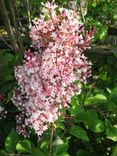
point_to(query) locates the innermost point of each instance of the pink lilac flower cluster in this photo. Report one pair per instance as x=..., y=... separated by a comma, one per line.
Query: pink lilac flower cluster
x=46, y=79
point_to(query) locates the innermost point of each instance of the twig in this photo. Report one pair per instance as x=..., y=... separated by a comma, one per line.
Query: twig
x=81, y=10
x=8, y=25
x=51, y=140
x=5, y=42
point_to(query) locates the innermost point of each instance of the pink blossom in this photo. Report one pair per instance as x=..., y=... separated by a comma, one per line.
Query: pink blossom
x=46, y=79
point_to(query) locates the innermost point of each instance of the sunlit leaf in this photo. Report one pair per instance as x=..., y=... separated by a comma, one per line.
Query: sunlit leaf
x=24, y=146
x=112, y=133
x=11, y=141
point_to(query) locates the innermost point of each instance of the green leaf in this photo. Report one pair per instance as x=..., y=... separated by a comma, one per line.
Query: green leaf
x=107, y=123
x=75, y=108
x=6, y=88
x=103, y=33
x=8, y=57
x=39, y=1
x=79, y=133
x=91, y=121
x=58, y=141
x=100, y=97
x=24, y=146
x=96, y=99
x=113, y=96
x=112, y=107
x=9, y=96
x=81, y=153
x=37, y=152
x=11, y=141
x=112, y=133
x=96, y=126
x=44, y=145
x=9, y=77
x=3, y=153
x=74, y=100
x=61, y=149
x=114, y=153
x=65, y=154
x=86, y=116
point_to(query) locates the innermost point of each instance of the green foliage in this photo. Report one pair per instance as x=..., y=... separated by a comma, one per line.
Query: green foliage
x=91, y=121
x=7, y=61
x=60, y=147
x=79, y=132
x=24, y=146
x=39, y=1
x=2, y=153
x=36, y=152
x=114, y=151
x=11, y=141
x=101, y=29
x=98, y=98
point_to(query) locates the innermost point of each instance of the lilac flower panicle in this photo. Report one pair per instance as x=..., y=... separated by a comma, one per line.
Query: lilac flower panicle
x=46, y=79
